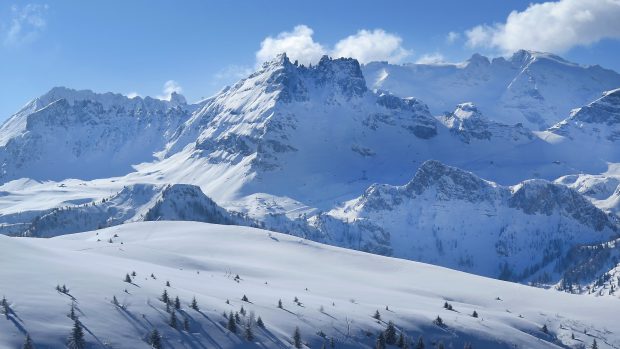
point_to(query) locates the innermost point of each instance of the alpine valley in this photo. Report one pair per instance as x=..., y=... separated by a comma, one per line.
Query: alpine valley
x=505, y=168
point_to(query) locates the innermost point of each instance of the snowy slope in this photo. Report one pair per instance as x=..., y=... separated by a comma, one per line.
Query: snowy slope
x=338, y=290
x=450, y=217
x=533, y=88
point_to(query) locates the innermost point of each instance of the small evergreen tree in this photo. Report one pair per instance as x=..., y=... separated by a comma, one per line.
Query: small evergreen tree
x=167, y=283
x=164, y=297
x=439, y=321
x=260, y=323
x=594, y=344
x=377, y=315
x=155, y=339
x=76, y=338
x=380, y=341
x=173, y=319
x=28, y=343
x=297, y=338
x=401, y=341
x=237, y=318
x=545, y=329
x=194, y=304
x=71, y=314
x=245, y=298
x=420, y=344
x=249, y=335
x=177, y=303
x=5, y=308
x=572, y=336
x=474, y=314
x=127, y=278
x=280, y=303
x=390, y=334
x=232, y=325
x=133, y=273
x=186, y=323
x=115, y=301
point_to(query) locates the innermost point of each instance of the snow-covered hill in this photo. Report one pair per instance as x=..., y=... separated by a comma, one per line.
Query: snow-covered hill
x=533, y=88
x=338, y=292
x=137, y=202
x=451, y=217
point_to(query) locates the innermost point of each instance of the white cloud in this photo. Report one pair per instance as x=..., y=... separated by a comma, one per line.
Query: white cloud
x=452, y=37
x=365, y=46
x=551, y=26
x=169, y=87
x=432, y=58
x=376, y=45
x=298, y=45
x=132, y=95
x=26, y=24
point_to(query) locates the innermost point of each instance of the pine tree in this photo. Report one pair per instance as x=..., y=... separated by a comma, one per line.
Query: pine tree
x=76, y=338
x=164, y=297
x=177, y=303
x=232, y=325
x=186, y=323
x=594, y=344
x=127, y=278
x=438, y=321
x=377, y=315
x=133, y=273
x=155, y=339
x=242, y=311
x=260, y=323
x=245, y=298
x=572, y=336
x=280, y=303
x=474, y=314
x=297, y=338
x=390, y=333
x=249, y=335
x=5, y=308
x=167, y=283
x=545, y=329
x=173, y=319
x=71, y=314
x=380, y=341
x=401, y=341
x=28, y=343
x=420, y=344
x=237, y=318
x=115, y=301
x=194, y=304
x=332, y=342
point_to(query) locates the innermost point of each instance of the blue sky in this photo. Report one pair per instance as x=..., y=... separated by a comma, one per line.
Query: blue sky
x=138, y=46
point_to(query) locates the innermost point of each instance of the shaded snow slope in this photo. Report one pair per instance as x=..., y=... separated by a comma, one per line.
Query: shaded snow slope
x=338, y=292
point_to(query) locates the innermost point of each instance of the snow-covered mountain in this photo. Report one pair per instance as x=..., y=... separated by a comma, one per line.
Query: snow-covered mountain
x=134, y=203
x=470, y=125
x=337, y=293
x=81, y=134
x=533, y=88
x=293, y=147
x=450, y=217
